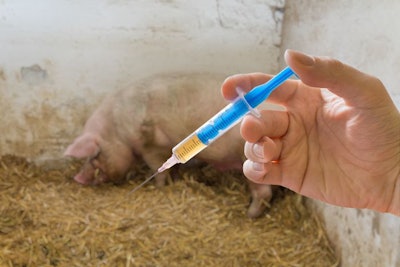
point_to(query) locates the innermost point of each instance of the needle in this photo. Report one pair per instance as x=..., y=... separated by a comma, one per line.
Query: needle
x=142, y=184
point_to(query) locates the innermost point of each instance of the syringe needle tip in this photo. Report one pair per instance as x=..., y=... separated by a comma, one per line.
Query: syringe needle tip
x=143, y=183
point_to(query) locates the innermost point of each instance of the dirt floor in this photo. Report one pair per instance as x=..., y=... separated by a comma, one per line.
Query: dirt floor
x=47, y=219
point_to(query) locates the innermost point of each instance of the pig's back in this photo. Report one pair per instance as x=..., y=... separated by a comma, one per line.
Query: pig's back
x=177, y=104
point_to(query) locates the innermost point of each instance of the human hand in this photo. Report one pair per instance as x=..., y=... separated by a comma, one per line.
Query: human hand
x=338, y=140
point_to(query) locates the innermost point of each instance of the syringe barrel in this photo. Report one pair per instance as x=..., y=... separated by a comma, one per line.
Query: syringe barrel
x=211, y=130
x=223, y=121
x=226, y=119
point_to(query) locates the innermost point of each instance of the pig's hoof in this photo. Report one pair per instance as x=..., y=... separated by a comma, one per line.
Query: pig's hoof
x=130, y=175
x=257, y=207
x=160, y=181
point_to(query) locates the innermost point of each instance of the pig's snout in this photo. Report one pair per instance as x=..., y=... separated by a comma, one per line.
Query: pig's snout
x=80, y=178
x=90, y=176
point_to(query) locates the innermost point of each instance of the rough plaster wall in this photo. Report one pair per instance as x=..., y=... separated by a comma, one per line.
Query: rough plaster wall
x=59, y=57
x=364, y=34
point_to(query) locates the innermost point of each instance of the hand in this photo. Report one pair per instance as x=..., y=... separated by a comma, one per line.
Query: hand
x=340, y=145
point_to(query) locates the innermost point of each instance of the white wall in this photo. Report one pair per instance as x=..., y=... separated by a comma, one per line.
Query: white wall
x=365, y=34
x=59, y=57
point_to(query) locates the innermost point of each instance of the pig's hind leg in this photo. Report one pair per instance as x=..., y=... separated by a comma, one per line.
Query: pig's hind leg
x=260, y=197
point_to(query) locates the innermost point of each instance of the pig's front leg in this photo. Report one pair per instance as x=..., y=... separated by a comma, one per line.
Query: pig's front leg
x=154, y=158
x=156, y=149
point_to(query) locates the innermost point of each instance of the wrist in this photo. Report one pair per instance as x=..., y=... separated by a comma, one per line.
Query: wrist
x=394, y=206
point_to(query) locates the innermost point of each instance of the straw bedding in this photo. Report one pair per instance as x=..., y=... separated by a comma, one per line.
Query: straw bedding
x=46, y=219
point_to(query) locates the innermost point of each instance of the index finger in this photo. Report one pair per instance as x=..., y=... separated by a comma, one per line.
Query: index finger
x=246, y=82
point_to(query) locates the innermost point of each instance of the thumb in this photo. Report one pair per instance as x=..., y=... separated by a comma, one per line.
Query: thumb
x=355, y=87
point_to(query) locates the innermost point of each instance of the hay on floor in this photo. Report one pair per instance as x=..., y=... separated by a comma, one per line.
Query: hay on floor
x=46, y=219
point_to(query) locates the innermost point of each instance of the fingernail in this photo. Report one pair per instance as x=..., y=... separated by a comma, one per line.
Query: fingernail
x=302, y=58
x=258, y=166
x=258, y=150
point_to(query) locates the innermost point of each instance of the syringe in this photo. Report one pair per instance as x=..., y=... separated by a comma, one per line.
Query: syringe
x=223, y=121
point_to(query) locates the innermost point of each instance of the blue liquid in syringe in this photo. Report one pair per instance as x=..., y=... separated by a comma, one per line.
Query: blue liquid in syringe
x=233, y=113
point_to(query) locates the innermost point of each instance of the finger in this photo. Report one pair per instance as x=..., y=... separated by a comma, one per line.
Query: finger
x=356, y=87
x=264, y=151
x=262, y=173
x=243, y=81
x=272, y=123
x=246, y=82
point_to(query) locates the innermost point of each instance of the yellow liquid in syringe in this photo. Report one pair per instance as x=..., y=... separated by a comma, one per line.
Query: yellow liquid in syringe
x=188, y=148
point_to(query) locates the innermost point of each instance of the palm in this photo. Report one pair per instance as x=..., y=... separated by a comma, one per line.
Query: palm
x=328, y=144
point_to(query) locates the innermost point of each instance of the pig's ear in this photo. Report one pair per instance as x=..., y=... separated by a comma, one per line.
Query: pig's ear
x=84, y=146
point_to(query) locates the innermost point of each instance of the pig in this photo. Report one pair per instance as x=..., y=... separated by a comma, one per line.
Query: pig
x=147, y=120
